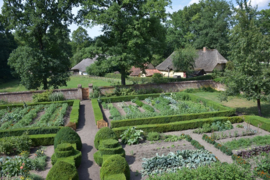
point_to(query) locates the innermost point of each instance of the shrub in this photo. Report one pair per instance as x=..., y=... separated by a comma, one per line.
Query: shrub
x=63, y=171
x=158, y=78
x=67, y=135
x=42, y=97
x=131, y=136
x=56, y=96
x=95, y=93
x=115, y=164
x=153, y=136
x=102, y=134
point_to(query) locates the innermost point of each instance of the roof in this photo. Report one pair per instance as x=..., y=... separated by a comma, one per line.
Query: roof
x=151, y=72
x=136, y=71
x=206, y=60
x=81, y=66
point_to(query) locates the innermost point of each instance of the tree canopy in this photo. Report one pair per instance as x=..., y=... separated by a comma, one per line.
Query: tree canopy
x=42, y=60
x=249, y=48
x=132, y=30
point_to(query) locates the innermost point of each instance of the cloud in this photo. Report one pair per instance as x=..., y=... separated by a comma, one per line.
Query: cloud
x=260, y=3
x=192, y=2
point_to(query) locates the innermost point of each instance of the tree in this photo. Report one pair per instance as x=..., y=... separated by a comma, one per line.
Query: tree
x=249, y=47
x=263, y=20
x=184, y=59
x=7, y=44
x=132, y=31
x=205, y=24
x=42, y=27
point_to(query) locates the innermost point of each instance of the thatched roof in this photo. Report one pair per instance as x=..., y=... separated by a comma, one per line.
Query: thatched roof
x=206, y=60
x=81, y=66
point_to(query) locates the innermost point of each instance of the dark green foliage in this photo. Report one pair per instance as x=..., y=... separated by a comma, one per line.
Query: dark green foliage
x=257, y=120
x=42, y=139
x=31, y=131
x=214, y=171
x=178, y=126
x=103, y=134
x=67, y=135
x=158, y=79
x=222, y=148
x=148, y=108
x=109, y=143
x=74, y=114
x=114, y=165
x=63, y=171
x=153, y=136
x=66, y=152
x=138, y=103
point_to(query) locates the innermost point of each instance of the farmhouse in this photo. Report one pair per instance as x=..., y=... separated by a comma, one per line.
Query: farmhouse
x=80, y=68
x=208, y=60
x=150, y=70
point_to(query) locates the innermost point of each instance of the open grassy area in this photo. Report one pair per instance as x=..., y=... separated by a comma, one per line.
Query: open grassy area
x=14, y=85
x=242, y=105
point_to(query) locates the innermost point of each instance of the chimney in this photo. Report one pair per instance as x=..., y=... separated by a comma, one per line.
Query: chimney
x=204, y=49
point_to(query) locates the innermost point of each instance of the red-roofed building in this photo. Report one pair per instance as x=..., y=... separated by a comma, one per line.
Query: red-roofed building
x=149, y=71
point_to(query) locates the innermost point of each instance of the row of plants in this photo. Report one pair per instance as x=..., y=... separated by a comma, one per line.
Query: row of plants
x=222, y=148
x=175, y=161
x=253, y=151
x=48, y=95
x=215, y=126
x=110, y=156
x=247, y=142
x=67, y=155
x=224, y=135
x=177, y=126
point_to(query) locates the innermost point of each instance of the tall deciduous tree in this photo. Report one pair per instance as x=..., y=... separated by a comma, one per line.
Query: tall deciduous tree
x=264, y=20
x=249, y=47
x=184, y=59
x=205, y=24
x=7, y=44
x=42, y=26
x=132, y=30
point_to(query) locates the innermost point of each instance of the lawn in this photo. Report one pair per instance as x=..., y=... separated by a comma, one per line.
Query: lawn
x=242, y=105
x=14, y=85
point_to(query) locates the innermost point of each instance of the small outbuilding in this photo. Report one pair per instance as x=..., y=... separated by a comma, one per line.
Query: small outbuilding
x=150, y=70
x=80, y=68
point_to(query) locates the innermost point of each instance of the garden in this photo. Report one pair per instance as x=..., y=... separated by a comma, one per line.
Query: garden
x=33, y=139
x=167, y=136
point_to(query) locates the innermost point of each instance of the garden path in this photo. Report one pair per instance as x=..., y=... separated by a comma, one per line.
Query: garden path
x=87, y=130
x=220, y=155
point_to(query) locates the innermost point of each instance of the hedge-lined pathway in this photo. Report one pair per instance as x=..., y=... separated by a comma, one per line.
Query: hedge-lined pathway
x=87, y=130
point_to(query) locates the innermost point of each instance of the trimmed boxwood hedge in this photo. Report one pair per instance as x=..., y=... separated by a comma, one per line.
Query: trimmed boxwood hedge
x=70, y=103
x=74, y=114
x=256, y=120
x=31, y=131
x=103, y=134
x=223, y=111
x=113, y=165
x=63, y=171
x=97, y=111
x=67, y=135
x=178, y=126
x=42, y=139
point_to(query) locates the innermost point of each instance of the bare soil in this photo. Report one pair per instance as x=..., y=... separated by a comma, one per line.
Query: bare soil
x=67, y=115
x=120, y=109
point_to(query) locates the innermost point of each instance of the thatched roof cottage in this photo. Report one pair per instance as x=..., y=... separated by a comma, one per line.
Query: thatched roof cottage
x=80, y=68
x=208, y=60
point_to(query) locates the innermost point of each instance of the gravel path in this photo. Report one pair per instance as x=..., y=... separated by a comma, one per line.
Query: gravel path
x=87, y=130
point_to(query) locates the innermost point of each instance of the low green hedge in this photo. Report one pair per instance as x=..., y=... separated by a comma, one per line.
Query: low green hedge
x=74, y=114
x=70, y=103
x=97, y=111
x=257, y=120
x=178, y=126
x=31, y=131
x=63, y=171
x=42, y=139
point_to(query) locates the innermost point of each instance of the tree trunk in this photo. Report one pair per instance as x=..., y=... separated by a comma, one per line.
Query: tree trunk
x=259, y=107
x=123, y=75
x=45, y=83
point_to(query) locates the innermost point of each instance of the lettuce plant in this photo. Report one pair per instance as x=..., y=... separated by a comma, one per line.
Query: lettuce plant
x=131, y=136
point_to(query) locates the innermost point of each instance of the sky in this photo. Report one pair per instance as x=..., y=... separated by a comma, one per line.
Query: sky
x=175, y=6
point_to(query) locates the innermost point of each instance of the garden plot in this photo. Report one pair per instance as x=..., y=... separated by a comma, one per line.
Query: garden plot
x=164, y=105
x=35, y=116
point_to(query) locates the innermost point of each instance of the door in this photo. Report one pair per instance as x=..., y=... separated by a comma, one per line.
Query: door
x=85, y=93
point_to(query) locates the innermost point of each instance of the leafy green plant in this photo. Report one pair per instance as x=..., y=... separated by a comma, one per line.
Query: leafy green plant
x=56, y=96
x=239, y=126
x=174, y=138
x=153, y=136
x=42, y=97
x=131, y=136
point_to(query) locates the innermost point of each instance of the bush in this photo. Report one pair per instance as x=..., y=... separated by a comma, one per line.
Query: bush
x=153, y=136
x=42, y=139
x=42, y=97
x=158, y=78
x=67, y=135
x=131, y=136
x=56, y=96
x=63, y=171
x=115, y=164
x=103, y=134
x=95, y=93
